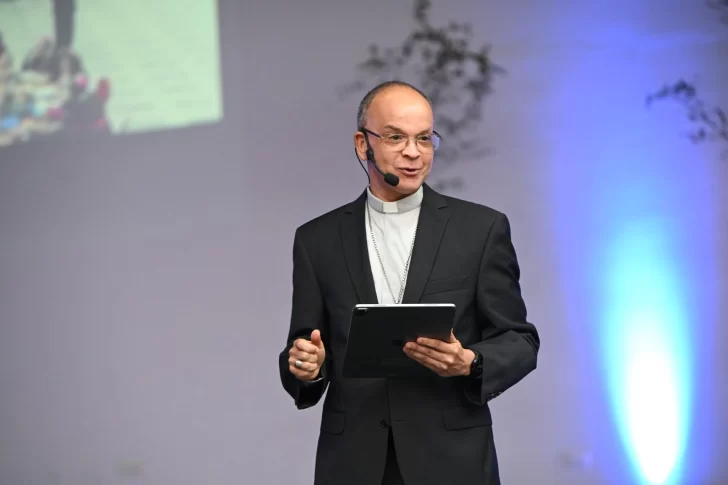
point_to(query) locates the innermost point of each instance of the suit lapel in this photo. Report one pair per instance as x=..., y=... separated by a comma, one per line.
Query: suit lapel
x=430, y=228
x=356, y=252
x=433, y=219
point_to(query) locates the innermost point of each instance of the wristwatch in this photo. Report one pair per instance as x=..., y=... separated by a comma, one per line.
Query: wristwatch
x=476, y=366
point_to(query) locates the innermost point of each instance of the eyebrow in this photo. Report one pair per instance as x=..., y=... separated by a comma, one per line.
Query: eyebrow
x=397, y=128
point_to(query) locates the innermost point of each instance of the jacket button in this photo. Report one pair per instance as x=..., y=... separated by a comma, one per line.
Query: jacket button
x=383, y=423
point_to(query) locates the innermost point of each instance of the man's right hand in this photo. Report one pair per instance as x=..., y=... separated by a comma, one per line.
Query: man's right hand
x=310, y=353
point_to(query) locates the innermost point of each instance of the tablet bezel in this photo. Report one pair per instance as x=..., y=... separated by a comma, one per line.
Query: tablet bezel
x=377, y=334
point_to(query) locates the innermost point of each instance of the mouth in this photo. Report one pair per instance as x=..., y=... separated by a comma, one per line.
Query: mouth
x=410, y=172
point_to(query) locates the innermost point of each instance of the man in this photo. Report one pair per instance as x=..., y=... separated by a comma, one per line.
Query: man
x=406, y=243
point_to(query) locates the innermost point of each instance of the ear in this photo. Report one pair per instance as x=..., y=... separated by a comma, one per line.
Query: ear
x=360, y=145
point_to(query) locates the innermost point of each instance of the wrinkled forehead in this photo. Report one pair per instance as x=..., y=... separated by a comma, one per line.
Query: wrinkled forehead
x=401, y=107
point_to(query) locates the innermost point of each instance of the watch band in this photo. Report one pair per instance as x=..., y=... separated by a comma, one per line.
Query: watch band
x=476, y=366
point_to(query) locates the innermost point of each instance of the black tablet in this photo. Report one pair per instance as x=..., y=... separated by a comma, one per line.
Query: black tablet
x=377, y=335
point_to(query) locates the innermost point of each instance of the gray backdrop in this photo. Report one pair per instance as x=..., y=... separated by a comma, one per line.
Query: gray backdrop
x=145, y=282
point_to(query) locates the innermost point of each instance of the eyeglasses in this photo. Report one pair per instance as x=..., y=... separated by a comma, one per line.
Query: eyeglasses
x=426, y=142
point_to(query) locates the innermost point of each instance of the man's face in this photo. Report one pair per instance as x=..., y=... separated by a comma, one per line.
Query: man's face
x=402, y=111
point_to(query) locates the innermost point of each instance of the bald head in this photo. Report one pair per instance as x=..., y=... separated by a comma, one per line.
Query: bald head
x=363, y=111
x=392, y=118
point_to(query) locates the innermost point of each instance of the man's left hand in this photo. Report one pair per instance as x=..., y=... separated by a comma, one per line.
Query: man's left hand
x=446, y=359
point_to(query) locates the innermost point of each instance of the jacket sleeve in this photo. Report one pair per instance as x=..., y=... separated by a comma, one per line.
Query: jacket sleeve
x=509, y=343
x=307, y=314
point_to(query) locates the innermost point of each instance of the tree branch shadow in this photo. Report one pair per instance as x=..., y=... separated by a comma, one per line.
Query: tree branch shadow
x=711, y=122
x=455, y=75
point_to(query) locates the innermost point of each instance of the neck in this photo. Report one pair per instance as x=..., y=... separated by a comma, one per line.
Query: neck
x=384, y=194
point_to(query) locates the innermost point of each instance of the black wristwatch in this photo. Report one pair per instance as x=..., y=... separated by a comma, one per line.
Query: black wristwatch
x=476, y=367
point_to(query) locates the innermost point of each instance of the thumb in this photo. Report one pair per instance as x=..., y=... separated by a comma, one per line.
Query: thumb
x=452, y=337
x=316, y=338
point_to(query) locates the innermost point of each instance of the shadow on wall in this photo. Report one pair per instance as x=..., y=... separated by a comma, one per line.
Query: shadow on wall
x=711, y=121
x=442, y=62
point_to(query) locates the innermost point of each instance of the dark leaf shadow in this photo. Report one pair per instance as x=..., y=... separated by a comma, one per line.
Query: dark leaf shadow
x=710, y=121
x=455, y=75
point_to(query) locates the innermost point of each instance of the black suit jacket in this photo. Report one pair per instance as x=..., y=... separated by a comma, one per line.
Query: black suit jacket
x=441, y=426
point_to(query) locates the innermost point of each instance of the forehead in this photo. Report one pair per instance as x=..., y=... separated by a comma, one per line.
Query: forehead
x=402, y=107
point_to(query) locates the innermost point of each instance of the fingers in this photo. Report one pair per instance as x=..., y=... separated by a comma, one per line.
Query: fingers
x=442, y=363
x=435, y=344
x=316, y=339
x=303, y=375
x=452, y=337
x=306, y=351
x=305, y=346
x=310, y=356
x=303, y=356
x=306, y=366
x=446, y=358
x=437, y=366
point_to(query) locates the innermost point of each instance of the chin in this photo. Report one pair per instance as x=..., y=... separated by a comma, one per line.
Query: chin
x=408, y=186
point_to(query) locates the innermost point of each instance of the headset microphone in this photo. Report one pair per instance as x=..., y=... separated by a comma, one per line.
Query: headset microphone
x=390, y=178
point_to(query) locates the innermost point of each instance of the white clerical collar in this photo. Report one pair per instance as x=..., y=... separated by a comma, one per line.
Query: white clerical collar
x=398, y=207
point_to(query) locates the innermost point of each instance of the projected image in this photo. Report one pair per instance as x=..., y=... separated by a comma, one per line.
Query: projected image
x=94, y=68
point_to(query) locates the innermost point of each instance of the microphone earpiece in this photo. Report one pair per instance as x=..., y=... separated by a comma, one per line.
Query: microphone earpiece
x=389, y=178
x=370, y=154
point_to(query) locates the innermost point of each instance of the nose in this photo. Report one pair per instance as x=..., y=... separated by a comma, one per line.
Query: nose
x=410, y=149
